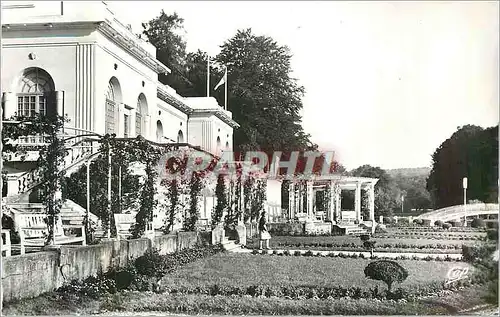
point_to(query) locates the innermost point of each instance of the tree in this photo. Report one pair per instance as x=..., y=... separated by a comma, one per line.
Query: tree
x=263, y=97
x=164, y=32
x=414, y=187
x=386, y=193
x=386, y=271
x=470, y=152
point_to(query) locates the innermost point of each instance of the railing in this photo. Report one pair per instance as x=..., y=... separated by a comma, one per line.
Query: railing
x=6, y=245
x=458, y=210
x=78, y=153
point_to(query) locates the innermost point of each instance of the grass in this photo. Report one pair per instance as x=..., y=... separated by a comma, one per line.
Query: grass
x=277, y=241
x=246, y=270
x=202, y=304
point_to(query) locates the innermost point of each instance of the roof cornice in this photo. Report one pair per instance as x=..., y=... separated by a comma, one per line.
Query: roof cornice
x=125, y=41
x=219, y=113
x=130, y=45
x=164, y=95
x=41, y=26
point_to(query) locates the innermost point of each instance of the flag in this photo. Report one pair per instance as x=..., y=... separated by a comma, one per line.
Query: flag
x=222, y=81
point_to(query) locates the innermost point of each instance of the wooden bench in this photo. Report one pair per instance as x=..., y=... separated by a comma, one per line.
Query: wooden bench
x=203, y=224
x=6, y=246
x=33, y=230
x=125, y=222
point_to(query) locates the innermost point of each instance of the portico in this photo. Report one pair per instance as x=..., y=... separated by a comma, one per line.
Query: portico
x=319, y=198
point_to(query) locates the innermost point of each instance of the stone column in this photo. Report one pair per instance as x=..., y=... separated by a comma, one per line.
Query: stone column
x=338, y=202
x=10, y=107
x=331, y=209
x=300, y=198
x=310, y=200
x=60, y=102
x=371, y=202
x=357, y=202
x=291, y=200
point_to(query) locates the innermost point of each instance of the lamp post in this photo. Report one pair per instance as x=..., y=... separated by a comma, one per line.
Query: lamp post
x=464, y=183
x=402, y=203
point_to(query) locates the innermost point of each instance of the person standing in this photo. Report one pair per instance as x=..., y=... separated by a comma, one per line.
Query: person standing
x=263, y=233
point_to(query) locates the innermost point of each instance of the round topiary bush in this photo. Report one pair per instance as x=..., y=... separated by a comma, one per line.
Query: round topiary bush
x=365, y=237
x=492, y=234
x=478, y=223
x=418, y=222
x=386, y=271
x=438, y=223
x=447, y=226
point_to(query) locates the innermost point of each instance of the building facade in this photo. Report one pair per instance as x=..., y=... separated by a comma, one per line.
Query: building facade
x=77, y=59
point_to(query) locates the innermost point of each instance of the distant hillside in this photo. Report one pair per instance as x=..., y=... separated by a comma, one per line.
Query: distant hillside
x=410, y=172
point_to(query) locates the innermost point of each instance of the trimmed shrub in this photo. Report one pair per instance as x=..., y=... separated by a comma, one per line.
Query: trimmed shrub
x=492, y=224
x=387, y=271
x=447, y=226
x=438, y=223
x=492, y=234
x=478, y=223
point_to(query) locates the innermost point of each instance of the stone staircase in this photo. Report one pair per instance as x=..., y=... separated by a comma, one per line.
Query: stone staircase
x=231, y=245
x=78, y=153
x=351, y=229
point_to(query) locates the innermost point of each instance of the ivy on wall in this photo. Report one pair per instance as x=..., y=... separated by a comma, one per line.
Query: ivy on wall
x=50, y=163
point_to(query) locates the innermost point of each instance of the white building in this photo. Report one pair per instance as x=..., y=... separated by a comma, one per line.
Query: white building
x=76, y=58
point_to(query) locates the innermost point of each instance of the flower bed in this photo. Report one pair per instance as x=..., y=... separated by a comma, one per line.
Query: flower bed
x=356, y=246
x=142, y=275
x=353, y=254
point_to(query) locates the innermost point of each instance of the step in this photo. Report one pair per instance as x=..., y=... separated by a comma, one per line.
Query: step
x=230, y=245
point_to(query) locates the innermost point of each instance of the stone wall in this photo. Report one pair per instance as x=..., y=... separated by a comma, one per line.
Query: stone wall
x=32, y=274
x=285, y=229
x=318, y=228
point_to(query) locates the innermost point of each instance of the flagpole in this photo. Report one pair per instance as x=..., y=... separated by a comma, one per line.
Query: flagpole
x=225, y=92
x=208, y=75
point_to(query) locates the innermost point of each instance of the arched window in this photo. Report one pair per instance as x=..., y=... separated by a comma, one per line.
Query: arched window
x=113, y=98
x=218, y=147
x=159, y=132
x=140, y=113
x=35, y=93
x=180, y=137
x=227, y=145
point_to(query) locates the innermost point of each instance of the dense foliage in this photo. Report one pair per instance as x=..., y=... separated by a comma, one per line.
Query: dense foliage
x=387, y=271
x=50, y=163
x=470, y=152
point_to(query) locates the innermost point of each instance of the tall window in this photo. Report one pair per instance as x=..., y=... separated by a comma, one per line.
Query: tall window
x=140, y=113
x=138, y=118
x=113, y=99
x=180, y=137
x=159, y=132
x=110, y=109
x=36, y=93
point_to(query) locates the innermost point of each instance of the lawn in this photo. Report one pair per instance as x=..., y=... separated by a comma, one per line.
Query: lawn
x=160, y=304
x=281, y=241
x=232, y=269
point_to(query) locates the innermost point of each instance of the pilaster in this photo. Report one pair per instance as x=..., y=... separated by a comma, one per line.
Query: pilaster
x=310, y=200
x=9, y=101
x=357, y=201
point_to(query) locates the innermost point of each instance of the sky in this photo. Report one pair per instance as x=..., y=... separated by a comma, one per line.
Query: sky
x=386, y=82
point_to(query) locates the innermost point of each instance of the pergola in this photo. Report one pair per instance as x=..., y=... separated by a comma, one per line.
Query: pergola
x=332, y=186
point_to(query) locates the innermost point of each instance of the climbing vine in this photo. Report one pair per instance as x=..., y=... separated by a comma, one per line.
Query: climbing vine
x=221, y=205
x=194, y=192
x=50, y=163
